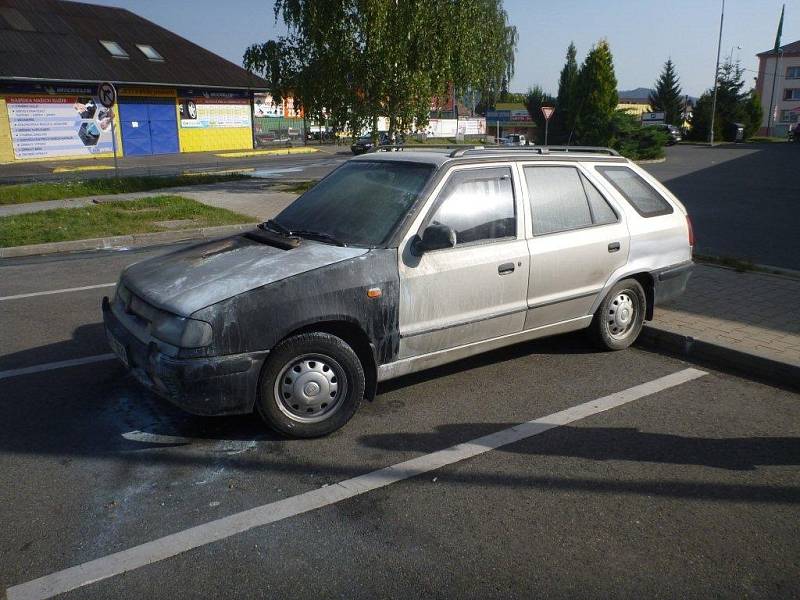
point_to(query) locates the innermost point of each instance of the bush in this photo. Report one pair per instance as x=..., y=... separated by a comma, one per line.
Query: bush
x=633, y=141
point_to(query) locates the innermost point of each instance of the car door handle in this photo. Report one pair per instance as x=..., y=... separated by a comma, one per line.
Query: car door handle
x=613, y=247
x=506, y=268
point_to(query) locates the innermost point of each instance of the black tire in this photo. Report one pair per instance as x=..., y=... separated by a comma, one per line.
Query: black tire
x=321, y=385
x=608, y=329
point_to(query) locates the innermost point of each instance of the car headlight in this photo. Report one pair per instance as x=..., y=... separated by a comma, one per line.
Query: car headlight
x=122, y=294
x=181, y=331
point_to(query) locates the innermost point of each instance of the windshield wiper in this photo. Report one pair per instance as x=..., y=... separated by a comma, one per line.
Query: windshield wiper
x=319, y=235
x=273, y=225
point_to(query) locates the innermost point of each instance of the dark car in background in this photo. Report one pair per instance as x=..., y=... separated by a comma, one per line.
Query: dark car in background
x=364, y=144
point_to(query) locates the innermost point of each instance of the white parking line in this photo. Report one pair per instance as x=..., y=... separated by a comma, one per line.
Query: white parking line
x=182, y=541
x=47, y=293
x=56, y=365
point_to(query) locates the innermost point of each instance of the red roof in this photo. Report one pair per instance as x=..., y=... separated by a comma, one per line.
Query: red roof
x=793, y=48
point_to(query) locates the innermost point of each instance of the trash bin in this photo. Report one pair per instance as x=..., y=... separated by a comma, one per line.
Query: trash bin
x=737, y=132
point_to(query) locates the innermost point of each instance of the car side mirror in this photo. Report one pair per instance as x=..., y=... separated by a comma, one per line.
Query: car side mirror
x=435, y=237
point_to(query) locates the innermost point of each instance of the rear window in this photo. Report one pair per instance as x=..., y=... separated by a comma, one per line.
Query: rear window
x=640, y=194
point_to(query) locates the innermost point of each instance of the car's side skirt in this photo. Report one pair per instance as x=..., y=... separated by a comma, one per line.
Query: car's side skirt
x=413, y=364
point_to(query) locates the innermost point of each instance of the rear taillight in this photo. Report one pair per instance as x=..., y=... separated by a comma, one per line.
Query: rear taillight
x=691, y=231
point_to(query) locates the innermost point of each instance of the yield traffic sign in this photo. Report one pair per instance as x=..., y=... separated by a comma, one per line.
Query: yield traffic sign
x=107, y=94
x=548, y=111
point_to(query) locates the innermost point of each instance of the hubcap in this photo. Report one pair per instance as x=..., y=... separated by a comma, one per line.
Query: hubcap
x=309, y=388
x=621, y=315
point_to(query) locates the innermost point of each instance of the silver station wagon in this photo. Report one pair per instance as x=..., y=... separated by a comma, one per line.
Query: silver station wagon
x=397, y=262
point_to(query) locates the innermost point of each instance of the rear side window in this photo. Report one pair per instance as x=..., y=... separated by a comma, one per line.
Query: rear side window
x=640, y=194
x=478, y=204
x=563, y=199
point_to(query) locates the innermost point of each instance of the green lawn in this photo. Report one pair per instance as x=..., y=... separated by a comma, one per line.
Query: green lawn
x=120, y=217
x=297, y=187
x=36, y=192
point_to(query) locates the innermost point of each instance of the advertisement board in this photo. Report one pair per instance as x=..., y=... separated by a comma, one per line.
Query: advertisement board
x=212, y=113
x=447, y=127
x=265, y=106
x=49, y=126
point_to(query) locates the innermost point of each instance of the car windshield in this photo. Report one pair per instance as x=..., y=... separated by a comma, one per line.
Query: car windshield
x=360, y=203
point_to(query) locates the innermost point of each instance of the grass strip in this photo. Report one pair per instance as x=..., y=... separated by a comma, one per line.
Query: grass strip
x=59, y=190
x=121, y=217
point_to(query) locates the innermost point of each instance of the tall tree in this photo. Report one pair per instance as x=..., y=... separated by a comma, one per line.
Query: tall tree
x=361, y=59
x=534, y=100
x=565, y=101
x=598, y=99
x=666, y=95
x=733, y=106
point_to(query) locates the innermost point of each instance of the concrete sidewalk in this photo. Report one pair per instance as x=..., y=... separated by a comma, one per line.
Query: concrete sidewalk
x=162, y=164
x=747, y=321
x=257, y=198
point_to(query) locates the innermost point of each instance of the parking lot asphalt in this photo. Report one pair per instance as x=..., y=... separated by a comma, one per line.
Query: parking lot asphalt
x=743, y=199
x=692, y=490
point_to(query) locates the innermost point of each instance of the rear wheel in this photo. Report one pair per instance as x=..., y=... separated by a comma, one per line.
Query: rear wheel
x=311, y=385
x=619, y=319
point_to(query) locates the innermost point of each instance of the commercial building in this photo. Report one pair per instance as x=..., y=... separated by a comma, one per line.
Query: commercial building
x=510, y=118
x=173, y=95
x=786, y=96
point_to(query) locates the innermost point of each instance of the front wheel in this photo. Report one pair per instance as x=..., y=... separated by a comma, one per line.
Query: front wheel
x=312, y=384
x=619, y=319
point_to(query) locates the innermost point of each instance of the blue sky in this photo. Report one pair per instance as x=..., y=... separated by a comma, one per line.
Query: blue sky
x=642, y=34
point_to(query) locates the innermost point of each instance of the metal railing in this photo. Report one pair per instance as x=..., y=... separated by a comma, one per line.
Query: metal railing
x=539, y=150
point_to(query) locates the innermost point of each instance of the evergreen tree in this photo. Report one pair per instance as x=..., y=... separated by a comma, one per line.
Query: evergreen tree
x=733, y=106
x=666, y=97
x=597, y=97
x=534, y=100
x=565, y=101
x=753, y=113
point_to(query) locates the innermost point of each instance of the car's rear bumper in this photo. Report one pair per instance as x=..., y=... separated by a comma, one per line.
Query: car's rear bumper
x=671, y=282
x=218, y=385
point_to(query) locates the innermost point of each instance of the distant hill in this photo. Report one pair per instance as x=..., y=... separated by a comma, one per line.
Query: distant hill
x=640, y=93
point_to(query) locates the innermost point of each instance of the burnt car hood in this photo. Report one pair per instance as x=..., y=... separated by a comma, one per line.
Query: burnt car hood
x=185, y=281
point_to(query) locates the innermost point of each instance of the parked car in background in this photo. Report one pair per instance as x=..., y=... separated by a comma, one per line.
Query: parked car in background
x=365, y=144
x=513, y=139
x=674, y=134
x=398, y=262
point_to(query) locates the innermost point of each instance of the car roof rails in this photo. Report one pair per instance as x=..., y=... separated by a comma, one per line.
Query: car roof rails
x=537, y=150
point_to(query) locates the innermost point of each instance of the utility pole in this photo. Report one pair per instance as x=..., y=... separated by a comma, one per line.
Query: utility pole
x=716, y=75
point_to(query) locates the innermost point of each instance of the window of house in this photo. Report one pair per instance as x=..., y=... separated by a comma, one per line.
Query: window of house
x=789, y=116
x=114, y=49
x=793, y=73
x=563, y=199
x=791, y=94
x=640, y=194
x=478, y=204
x=150, y=52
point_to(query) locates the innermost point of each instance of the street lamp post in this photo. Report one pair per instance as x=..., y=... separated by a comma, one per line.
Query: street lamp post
x=716, y=75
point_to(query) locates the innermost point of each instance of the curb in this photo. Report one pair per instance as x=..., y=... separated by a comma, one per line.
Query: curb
x=139, y=240
x=726, y=358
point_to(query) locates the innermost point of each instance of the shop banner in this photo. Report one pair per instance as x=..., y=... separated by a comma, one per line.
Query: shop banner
x=48, y=126
x=264, y=105
x=208, y=113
